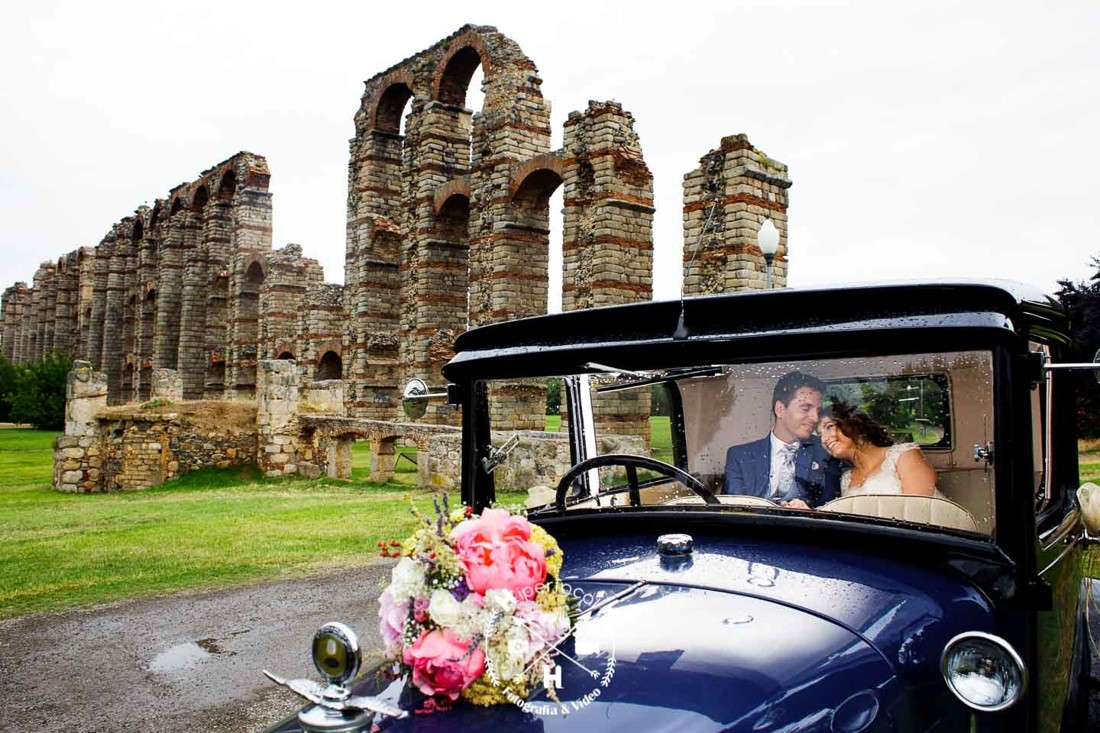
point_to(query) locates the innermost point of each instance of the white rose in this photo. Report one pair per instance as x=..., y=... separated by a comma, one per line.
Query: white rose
x=407, y=580
x=500, y=599
x=444, y=609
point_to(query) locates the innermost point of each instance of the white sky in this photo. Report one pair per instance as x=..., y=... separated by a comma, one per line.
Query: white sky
x=925, y=140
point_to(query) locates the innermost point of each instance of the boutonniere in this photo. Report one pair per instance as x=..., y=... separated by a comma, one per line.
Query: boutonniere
x=815, y=466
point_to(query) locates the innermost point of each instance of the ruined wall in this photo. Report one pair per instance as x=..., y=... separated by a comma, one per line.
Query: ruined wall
x=129, y=448
x=743, y=187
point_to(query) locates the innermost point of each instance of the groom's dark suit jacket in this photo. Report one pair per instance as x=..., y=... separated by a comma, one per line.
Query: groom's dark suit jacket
x=816, y=473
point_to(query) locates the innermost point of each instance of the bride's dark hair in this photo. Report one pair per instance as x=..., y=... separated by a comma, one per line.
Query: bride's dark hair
x=857, y=424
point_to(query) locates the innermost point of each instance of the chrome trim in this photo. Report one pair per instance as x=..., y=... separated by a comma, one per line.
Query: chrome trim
x=1069, y=524
x=997, y=641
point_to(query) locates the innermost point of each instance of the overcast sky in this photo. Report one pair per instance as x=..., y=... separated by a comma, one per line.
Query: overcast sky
x=925, y=140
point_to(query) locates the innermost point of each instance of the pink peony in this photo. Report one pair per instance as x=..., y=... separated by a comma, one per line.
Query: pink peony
x=442, y=664
x=496, y=551
x=392, y=617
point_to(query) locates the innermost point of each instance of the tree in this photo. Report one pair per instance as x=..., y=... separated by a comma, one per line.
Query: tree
x=1082, y=300
x=38, y=392
x=7, y=384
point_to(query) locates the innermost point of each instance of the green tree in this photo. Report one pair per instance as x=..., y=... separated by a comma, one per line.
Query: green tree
x=38, y=393
x=1082, y=301
x=553, y=396
x=7, y=384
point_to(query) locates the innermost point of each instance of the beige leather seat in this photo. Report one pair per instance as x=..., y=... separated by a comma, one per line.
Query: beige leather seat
x=727, y=499
x=922, y=509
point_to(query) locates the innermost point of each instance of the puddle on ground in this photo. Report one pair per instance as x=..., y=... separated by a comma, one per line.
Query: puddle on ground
x=184, y=656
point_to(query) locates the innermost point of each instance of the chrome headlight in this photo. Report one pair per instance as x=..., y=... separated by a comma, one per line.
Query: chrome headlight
x=336, y=653
x=983, y=671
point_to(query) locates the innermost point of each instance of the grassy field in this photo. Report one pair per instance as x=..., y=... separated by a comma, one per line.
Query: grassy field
x=209, y=529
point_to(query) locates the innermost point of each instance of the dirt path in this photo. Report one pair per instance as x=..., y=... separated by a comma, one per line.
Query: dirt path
x=182, y=663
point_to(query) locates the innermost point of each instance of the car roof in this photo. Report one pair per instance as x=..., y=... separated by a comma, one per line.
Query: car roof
x=825, y=313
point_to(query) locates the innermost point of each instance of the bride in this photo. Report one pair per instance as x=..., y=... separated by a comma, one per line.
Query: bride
x=879, y=466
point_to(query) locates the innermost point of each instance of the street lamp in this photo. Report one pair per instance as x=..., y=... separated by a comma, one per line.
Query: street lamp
x=768, y=241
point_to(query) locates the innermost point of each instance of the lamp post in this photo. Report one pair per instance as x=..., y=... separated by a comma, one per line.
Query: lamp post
x=768, y=241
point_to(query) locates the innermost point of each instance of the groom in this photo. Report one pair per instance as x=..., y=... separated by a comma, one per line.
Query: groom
x=788, y=466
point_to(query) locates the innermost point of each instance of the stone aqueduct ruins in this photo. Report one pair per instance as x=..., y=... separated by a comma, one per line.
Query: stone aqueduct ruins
x=448, y=227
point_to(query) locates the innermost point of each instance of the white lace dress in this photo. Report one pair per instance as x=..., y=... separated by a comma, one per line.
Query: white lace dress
x=885, y=479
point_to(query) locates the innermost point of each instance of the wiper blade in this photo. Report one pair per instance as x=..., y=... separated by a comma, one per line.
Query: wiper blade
x=670, y=376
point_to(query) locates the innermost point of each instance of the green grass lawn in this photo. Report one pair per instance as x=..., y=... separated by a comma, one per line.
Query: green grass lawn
x=209, y=529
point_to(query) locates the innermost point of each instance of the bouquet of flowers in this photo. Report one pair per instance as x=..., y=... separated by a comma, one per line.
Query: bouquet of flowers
x=474, y=608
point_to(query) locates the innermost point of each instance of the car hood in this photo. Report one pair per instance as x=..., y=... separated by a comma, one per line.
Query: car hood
x=740, y=636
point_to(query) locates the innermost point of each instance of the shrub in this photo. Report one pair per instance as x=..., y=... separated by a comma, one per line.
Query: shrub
x=37, y=393
x=7, y=384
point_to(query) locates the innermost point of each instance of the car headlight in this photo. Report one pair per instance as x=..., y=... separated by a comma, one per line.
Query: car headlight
x=336, y=653
x=983, y=671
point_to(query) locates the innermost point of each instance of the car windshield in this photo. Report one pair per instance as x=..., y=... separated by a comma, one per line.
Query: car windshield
x=889, y=437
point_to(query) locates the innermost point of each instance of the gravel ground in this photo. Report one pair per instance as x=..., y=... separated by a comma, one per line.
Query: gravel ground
x=180, y=663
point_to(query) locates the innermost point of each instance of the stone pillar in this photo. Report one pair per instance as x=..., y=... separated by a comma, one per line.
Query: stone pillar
x=277, y=395
x=85, y=296
x=77, y=460
x=98, y=314
x=742, y=186
x=166, y=385
x=12, y=310
x=191, y=359
x=112, y=324
x=607, y=252
x=383, y=460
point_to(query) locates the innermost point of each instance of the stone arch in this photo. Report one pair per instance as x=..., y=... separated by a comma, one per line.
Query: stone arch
x=284, y=351
x=138, y=232
x=200, y=199
x=391, y=103
x=459, y=186
x=154, y=215
x=452, y=222
x=176, y=207
x=453, y=74
x=541, y=172
x=227, y=187
x=254, y=272
x=329, y=366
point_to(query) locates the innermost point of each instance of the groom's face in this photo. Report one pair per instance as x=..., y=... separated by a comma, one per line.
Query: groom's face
x=798, y=418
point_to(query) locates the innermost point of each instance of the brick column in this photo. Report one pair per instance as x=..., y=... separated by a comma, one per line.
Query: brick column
x=743, y=186
x=277, y=396
x=607, y=253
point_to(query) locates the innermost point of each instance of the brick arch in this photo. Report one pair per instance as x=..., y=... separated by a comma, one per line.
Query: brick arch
x=227, y=185
x=284, y=347
x=256, y=259
x=381, y=95
x=201, y=198
x=176, y=206
x=544, y=172
x=391, y=103
x=454, y=71
x=456, y=187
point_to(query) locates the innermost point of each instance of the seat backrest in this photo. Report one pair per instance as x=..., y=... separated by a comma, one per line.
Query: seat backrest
x=922, y=509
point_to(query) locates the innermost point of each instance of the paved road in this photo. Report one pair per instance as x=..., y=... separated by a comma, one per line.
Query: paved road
x=182, y=663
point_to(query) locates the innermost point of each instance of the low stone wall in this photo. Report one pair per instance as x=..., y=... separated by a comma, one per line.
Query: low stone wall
x=133, y=447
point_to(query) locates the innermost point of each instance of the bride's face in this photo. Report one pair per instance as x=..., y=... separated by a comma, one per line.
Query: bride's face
x=834, y=440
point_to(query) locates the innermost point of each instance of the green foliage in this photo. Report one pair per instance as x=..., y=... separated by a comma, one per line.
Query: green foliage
x=155, y=403
x=37, y=393
x=7, y=383
x=553, y=396
x=660, y=403
x=1082, y=301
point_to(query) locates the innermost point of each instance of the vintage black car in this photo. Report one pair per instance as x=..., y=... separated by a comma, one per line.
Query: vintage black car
x=711, y=607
